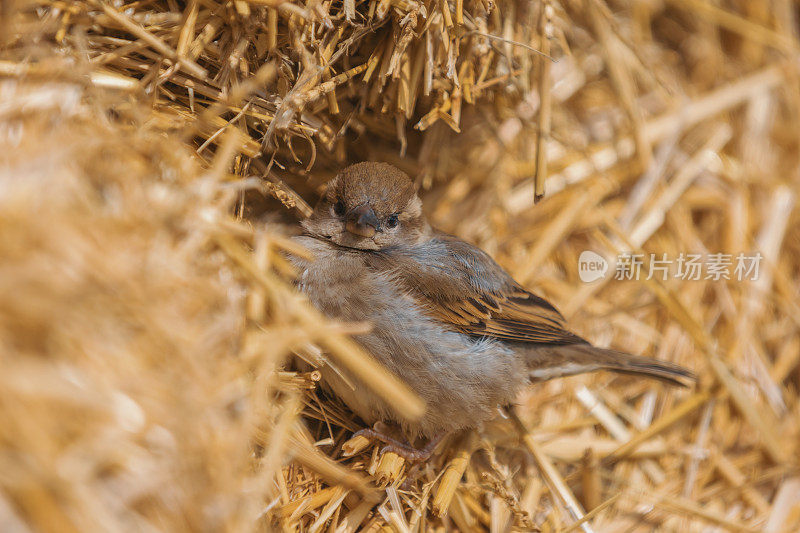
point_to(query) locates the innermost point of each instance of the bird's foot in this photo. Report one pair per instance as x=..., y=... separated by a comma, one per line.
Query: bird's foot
x=396, y=446
x=411, y=454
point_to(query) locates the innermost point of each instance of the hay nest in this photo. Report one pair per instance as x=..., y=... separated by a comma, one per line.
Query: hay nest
x=150, y=148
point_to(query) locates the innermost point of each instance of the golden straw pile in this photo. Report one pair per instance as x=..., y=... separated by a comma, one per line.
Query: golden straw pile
x=152, y=152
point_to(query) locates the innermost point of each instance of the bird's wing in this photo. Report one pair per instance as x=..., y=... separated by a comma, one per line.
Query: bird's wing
x=463, y=287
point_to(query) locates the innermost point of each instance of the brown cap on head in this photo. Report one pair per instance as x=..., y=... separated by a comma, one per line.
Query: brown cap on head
x=385, y=187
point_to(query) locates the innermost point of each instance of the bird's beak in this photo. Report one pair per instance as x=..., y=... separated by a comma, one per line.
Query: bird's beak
x=362, y=221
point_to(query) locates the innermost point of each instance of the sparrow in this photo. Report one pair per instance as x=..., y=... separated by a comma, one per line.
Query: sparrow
x=446, y=318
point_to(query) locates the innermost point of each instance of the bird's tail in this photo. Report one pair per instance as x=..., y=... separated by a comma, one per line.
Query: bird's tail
x=548, y=362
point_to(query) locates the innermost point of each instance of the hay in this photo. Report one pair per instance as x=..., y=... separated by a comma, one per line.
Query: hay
x=147, y=314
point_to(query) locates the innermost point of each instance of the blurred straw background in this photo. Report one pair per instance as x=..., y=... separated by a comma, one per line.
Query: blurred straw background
x=152, y=151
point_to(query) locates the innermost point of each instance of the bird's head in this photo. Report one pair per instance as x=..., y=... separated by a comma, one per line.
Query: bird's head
x=369, y=206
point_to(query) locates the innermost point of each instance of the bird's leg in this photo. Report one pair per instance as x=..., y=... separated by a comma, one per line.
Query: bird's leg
x=379, y=431
x=403, y=449
x=411, y=454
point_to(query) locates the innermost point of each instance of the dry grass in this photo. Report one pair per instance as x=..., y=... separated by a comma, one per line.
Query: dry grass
x=147, y=315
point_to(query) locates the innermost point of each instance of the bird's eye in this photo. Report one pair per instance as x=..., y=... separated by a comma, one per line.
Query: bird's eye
x=338, y=208
x=392, y=221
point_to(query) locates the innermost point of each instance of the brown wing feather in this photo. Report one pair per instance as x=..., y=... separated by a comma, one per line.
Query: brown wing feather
x=507, y=317
x=462, y=286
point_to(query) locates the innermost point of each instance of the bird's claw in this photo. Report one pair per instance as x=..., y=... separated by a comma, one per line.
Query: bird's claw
x=404, y=450
x=410, y=454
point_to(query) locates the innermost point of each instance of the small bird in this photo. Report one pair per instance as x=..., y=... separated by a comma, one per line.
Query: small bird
x=446, y=317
